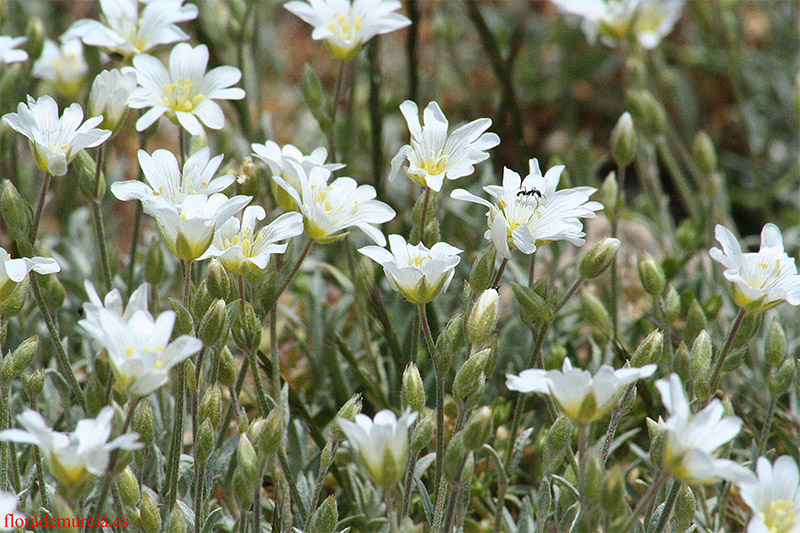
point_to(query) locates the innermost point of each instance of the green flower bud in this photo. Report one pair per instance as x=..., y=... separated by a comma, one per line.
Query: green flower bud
x=556, y=442
x=21, y=358
x=246, y=328
x=695, y=320
x=422, y=433
x=143, y=423
x=175, y=521
x=211, y=406
x=326, y=517
x=149, y=517
x=348, y=412
x=596, y=315
x=412, y=391
x=227, y=368
x=470, y=380
x=246, y=455
x=712, y=306
x=242, y=490
x=12, y=303
x=95, y=393
x=271, y=433
x=453, y=457
x=213, y=324
x=685, y=507
x=623, y=140
x=599, y=258
x=52, y=291
x=650, y=274
x=450, y=342
x=750, y=325
x=483, y=318
x=783, y=378
x=154, y=264
x=14, y=211
x=128, y=487
x=36, y=35
x=205, y=440
x=704, y=153
x=775, y=346
x=649, y=350
x=592, y=476
x=190, y=375
x=244, y=424
x=700, y=365
x=610, y=193
x=532, y=307
x=483, y=270
x=681, y=362
x=613, y=497
x=62, y=512
x=3, y=331
x=649, y=112
x=312, y=89
x=33, y=383
x=184, y=325
x=656, y=441
x=672, y=302
x=479, y=429
x=87, y=168
x=219, y=284
x=365, y=275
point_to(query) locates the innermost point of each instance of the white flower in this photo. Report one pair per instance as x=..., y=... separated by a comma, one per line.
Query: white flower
x=774, y=497
x=109, y=96
x=648, y=21
x=381, y=443
x=185, y=92
x=346, y=26
x=416, y=272
x=330, y=208
x=55, y=141
x=128, y=32
x=760, y=280
x=113, y=303
x=690, y=441
x=531, y=212
x=73, y=457
x=63, y=66
x=241, y=250
x=8, y=49
x=433, y=155
x=8, y=510
x=12, y=271
x=137, y=344
x=581, y=396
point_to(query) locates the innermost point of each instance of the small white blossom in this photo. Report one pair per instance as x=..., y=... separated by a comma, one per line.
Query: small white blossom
x=416, y=272
x=531, y=212
x=109, y=96
x=691, y=440
x=433, y=155
x=381, y=443
x=12, y=271
x=8, y=49
x=647, y=21
x=113, y=303
x=127, y=31
x=185, y=92
x=763, y=279
x=241, y=250
x=774, y=496
x=55, y=141
x=346, y=26
x=73, y=457
x=8, y=506
x=63, y=66
x=330, y=208
x=583, y=397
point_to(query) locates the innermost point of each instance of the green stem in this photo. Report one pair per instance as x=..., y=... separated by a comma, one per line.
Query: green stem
x=612, y=425
x=387, y=496
x=112, y=462
x=99, y=225
x=173, y=461
x=289, y=277
x=408, y=487
x=336, y=97
x=375, y=115
x=424, y=214
x=287, y=473
x=668, y=505
x=661, y=477
x=261, y=395
x=4, y=424
x=39, y=206
x=723, y=354
x=499, y=275
x=439, y=400
x=765, y=430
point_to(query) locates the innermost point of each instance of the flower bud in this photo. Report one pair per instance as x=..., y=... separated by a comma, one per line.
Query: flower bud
x=613, y=497
x=704, y=153
x=695, y=320
x=211, y=406
x=700, y=365
x=348, y=412
x=422, y=433
x=470, y=380
x=556, y=442
x=450, y=342
x=242, y=490
x=483, y=318
x=656, y=441
x=453, y=457
x=599, y=258
x=190, y=375
x=596, y=315
x=95, y=393
x=248, y=178
x=14, y=211
x=649, y=350
x=748, y=329
x=650, y=274
x=149, y=517
x=212, y=326
x=532, y=307
x=365, y=275
x=685, y=507
x=681, y=362
x=61, y=511
x=143, y=422
x=649, y=112
x=672, y=303
x=246, y=328
x=87, y=169
x=610, y=193
x=33, y=383
x=271, y=433
x=204, y=441
x=783, y=378
x=52, y=291
x=483, y=270
x=478, y=429
x=175, y=521
x=227, y=368
x=128, y=487
x=36, y=35
x=246, y=455
x=412, y=391
x=219, y=285
x=623, y=140
x=154, y=264
x=592, y=476
x=325, y=518
x=775, y=346
x=21, y=358
x=184, y=325
x=11, y=304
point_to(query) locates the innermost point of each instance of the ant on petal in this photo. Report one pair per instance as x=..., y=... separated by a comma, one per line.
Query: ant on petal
x=532, y=192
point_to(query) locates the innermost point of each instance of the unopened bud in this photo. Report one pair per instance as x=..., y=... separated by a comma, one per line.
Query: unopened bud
x=656, y=441
x=478, y=428
x=685, y=507
x=592, y=475
x=33, y=383
x=783, y=378
x=422, y=433
x=219, y=284
x=681, y=362
x=242, y=490
x=271, y=433
x=211, y=406
x=35, y=34
x=412, y=392
x=348, y=412
x=649, y=350
x=184, y=325
x=325, y=518
x=650, y=274
x=201, y=300
x=610, y=193
x=532, y=307
x=143, y=422
x=623, y=140
x=453, y=457
x=672, y=302
x=246, y=328
x=62, y=512
x=695, y=320
x=449, y=342
x=154, y=264
x=246, y=455
x=16, y=364
x=748, y=329
x=204, y=441
x=483, y=318
x=470, y=380
x=87, y=168
x=596, y=314
x=128, y=487
x=175, y=522
x=190, y=375
x=227, y=368
x=775, y=346
x=704, y=153
x=599, y=258
x=12, y=301
x=149, y=517
x=613, y=497
x=555, y=443
x=483, y=270
x=14, y=211
x=52, y=291
x=649, y=112
x=213, y=324
x=700, y=365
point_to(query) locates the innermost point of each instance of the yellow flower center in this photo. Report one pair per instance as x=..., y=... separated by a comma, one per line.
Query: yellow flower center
x=244, y=241
x=419, y=260
x=436, y=163
x=764, y=274
x=780, y=517
x=179, y=96
x=343, y=27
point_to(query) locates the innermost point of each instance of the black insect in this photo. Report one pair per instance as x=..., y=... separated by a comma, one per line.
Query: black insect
x=532, y=192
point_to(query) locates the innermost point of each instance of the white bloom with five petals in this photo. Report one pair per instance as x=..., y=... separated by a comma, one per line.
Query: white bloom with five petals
x=55, y=141
x=128, y=31
x=73, y=457
x=762, y=279
x=13, y=271
x=433, y=154
x=691, y=440
x=346, y=26
x=8, y=49
x=415, y=271
x=109, y=96
x=185, y=92
x=530, y=212
x=63, y=66
x=774, y=496
x=583, y=397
